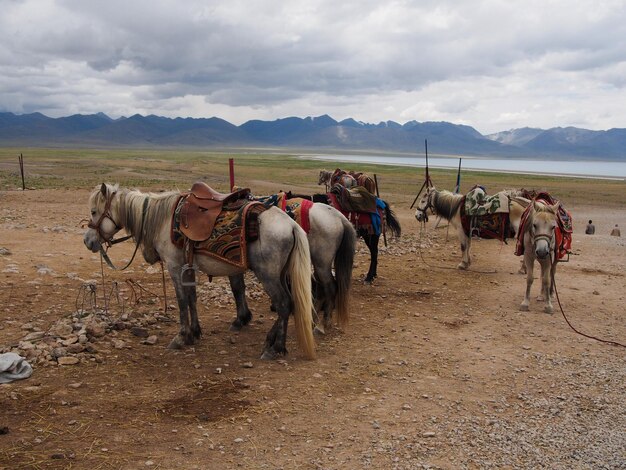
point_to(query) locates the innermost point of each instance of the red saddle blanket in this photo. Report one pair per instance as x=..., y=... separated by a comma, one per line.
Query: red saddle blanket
x=490, y=226
x=235, y=226
x=360, y=220
x=563, y=232
x=296, y=207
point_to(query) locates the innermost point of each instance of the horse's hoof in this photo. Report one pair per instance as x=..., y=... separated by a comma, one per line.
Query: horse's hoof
x=235, y=326
x=176, y=343
x=268, y=356
x=319, y=330
x=523, y=308
x=462, y=266
x=549, y=310
x=368, y=281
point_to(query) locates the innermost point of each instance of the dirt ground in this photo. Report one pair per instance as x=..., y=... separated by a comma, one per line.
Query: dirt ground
x=437, y=369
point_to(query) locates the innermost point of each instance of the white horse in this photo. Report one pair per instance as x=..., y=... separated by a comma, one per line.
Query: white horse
x=279, y=257
x=342, y=177
x=447, y=205
x=332, y=242
x=539, y=239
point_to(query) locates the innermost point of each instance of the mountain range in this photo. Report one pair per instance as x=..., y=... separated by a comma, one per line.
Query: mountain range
x=321, y=133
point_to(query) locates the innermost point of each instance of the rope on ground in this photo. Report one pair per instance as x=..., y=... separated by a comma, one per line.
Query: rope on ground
x=556, y=293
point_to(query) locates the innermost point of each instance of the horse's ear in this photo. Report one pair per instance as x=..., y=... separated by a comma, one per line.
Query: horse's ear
x=103, y=189
x=555, y=207
x=536, y=206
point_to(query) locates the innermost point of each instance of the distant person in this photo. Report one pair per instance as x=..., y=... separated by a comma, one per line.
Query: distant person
x=591, y=229
x=615, y=232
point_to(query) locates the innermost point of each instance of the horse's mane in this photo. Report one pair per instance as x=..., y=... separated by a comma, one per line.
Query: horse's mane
x=159, y=211
x=536, y=209
x=446, y=203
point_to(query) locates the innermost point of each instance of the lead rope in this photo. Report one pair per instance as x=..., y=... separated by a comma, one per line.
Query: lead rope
x=556, y=293
x=103, y=253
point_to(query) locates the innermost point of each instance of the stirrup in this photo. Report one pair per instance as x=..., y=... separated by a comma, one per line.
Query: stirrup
x=187, y=267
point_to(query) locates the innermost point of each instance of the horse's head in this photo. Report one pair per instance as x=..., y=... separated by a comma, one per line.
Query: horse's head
x=103, y=206
x=324, y=177
x=543, y=228
x=425, y=203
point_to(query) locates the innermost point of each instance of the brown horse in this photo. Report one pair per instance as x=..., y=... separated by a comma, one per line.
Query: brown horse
x=349, y=179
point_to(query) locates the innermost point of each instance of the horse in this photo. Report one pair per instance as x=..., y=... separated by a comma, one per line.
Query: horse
x=370, y=239
x=279, y=257
x=329, y=178
x=448, y=205
x=349, y=179
x=332, y=241
x=538, y=236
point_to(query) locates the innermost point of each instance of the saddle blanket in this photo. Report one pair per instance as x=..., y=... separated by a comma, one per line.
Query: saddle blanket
x=372, y=222
x=357, y=199
x=478, y=203
x=490, y=226
x=235, y=226
x=563, y=232
x=297, y=208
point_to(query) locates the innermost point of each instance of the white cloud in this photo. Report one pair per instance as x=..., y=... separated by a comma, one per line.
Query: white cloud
x=489, y=64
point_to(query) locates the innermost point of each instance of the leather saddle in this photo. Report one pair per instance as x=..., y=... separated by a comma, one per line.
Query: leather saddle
x=202, y=206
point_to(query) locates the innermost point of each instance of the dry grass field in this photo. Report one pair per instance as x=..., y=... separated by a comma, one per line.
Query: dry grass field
x=437, y=369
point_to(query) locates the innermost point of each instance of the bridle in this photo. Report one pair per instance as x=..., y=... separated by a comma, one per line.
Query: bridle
x=97, y=226
x=429, y=204
x=106, y=214
x=549, y=238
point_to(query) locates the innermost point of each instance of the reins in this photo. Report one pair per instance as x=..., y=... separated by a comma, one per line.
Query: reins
x=109, y=243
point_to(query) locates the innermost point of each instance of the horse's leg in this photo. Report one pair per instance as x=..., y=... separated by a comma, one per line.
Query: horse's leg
x=522, y=267
x=244, y=315
x=465, y=248
x=546, y=284
x=196, y=331
x=325, y=294
x=276, y=337
x=371, y=241
x=529, y=261
x=184, y=335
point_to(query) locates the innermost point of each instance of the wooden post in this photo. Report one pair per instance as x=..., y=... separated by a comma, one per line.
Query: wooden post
x=21, y=160
x=231, y=171
x=426, y=150
x=383, y=224
x=458, y=178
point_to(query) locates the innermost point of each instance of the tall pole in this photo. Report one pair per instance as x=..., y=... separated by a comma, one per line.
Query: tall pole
x=458, y=178
x=21, y=160
x=427, y=175
x=231, y=171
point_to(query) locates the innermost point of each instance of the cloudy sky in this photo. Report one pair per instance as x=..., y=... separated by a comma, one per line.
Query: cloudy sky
x=491, y=64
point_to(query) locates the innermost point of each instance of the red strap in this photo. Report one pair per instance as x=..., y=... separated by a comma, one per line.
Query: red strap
x=304, y=215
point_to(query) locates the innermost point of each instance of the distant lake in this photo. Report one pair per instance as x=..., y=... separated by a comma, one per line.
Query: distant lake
x=579, y=168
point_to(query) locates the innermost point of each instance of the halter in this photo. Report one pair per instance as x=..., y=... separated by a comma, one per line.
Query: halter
x=106, y=214
x=429, y=204
x=543, y=236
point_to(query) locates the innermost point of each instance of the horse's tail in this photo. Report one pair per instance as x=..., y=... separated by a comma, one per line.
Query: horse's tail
x=344, y=260
x=299, y=269
x=369, y=184
x=392, y=221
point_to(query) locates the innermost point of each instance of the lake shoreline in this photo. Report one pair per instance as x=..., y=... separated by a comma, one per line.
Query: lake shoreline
x=392, y=161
